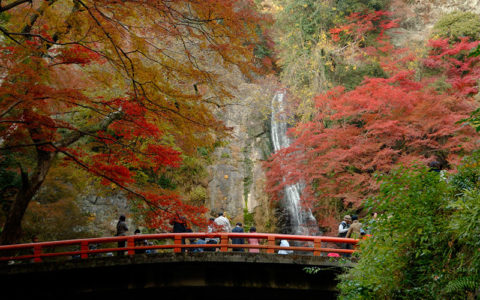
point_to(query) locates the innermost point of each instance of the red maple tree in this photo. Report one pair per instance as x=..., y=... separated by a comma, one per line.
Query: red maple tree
x=383, y=122
x=116, y=87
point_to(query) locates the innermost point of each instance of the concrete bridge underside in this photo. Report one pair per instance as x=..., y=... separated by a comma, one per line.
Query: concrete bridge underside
x=230, y=275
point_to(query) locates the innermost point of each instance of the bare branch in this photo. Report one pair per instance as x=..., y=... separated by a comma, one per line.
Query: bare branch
x=26, y=145
x=7, y=34
x=123, y=187
x=10, y=108
x=13, y=4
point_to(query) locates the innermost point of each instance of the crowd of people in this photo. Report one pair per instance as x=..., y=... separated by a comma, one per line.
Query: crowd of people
x=350, y=227
x=219, y=224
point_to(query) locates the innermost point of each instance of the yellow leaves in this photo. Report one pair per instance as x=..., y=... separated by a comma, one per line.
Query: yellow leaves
x=275, y=8
x=412, y=65
x=323, y=36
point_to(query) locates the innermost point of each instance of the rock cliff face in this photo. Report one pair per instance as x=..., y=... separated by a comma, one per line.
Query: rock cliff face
x=237, y=180
x=104, y=211
x=419, y=16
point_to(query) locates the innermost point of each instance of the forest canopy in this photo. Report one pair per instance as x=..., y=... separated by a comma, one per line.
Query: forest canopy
x=407, y=108
x=119, y=89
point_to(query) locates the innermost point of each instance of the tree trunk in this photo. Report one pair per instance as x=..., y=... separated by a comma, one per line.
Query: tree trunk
x=13, y=226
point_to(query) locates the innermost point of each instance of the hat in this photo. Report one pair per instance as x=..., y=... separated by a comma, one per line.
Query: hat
x=347, y=217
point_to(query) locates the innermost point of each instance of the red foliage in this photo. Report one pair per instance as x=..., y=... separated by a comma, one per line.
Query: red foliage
x=77, y=54
x=452, y=60
x=119, y=120
x=381, y=123
x=357, y=25
x=173, y=208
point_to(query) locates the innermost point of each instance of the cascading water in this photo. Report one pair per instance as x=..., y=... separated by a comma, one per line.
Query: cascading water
x=302, y=221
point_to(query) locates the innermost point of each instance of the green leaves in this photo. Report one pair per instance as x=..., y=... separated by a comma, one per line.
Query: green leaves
x=457, y=25
x=425, y=241
x=475, y=52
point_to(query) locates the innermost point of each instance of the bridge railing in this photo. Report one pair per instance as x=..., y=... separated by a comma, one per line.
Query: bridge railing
x=176, y=242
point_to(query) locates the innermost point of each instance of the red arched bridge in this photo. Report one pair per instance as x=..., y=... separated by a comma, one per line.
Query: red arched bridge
x=92, y=267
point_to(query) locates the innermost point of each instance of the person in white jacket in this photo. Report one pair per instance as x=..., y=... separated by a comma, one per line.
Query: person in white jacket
x=284, y=243
x=344, y=226
x=223, y=223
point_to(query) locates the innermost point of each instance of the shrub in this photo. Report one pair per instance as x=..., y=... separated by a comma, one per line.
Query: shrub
x=458, y=24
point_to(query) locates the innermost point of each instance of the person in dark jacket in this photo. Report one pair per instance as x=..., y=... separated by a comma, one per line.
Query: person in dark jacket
x=212, y=228
x=179, y=226
x=238, y=241
x=344, y=225
x=121, y=231
x=342, y=231
x=139, y=242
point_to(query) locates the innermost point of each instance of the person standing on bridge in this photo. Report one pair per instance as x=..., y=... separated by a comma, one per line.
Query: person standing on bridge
x=179, y=226
x=253, y=241
x=121, y=231
x=344, y=225
x=238, y=241
x=139, y=242
x=210, y=240
x=223, y=223
x=343, y=229
x=355, y=231
x=284, y=243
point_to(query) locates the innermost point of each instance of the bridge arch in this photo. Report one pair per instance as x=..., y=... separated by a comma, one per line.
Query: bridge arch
x=71, y=267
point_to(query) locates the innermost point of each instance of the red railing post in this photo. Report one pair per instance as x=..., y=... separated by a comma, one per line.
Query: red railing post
x=177, y=240
x=84, y=249
x=271, y=244
x=317, y=245
x=131, y=245
x=37, y=251
x=224, y=241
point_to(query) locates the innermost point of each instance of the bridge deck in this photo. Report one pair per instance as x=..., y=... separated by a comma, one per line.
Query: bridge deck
x=229, y=275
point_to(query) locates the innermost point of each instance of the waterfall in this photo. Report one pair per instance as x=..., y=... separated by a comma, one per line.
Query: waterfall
x=299, y=217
